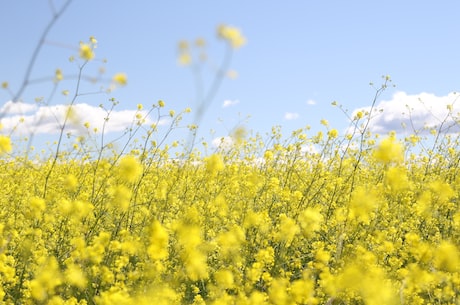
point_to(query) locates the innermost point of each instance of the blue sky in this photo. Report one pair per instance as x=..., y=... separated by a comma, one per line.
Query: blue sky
x=300, y=56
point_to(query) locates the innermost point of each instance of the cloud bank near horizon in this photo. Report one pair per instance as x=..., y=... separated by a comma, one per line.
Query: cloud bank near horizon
x=406, y=113
x=402, y=113
x=25, y=118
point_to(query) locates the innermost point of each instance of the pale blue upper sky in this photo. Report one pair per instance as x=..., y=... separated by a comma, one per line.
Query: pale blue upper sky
x=299, y=57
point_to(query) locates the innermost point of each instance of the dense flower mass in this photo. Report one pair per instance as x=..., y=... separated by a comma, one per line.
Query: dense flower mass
x=308, y=219
x=370, y=224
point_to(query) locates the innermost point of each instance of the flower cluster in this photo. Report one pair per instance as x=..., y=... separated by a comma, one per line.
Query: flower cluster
x=365, y=226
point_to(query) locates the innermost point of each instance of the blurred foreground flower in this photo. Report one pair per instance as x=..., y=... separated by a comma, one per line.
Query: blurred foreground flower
x=5, y=144
x=130, y=168
x=232, y=35
x=86, y=52
x=120, y=79
x=389, y=151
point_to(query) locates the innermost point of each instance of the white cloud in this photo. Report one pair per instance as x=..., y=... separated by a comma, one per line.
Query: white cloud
x=291, y=116
x=310, y=149
x=228, y=103
x=311, y=102
x=24, y=119
x=16, y=108
x=224, y=143
x=416, y=112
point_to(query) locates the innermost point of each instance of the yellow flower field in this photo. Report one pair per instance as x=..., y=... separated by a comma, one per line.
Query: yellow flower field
x=363, y=221
x=325, y=218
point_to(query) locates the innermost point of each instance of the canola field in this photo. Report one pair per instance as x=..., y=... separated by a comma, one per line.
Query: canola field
x=308, y=219
x=365, y=220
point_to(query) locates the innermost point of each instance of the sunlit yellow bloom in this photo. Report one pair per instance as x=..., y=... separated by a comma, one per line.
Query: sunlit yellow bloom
x=75, y=276
x=58, y=76
x=158, y=247
x=389, y=150
x=288, y=229
x=5, y=144
x=224, y=279
x=232, y=35
x=86, y=52
x=268, y=155
x=214, y=163
x=121, y=197
x=310, y=221
x=47, y=278
x=120, y=79
x=396, y=178
x=184, y=59
x=333, y=133
x=70, y=182
x=363, y=204
x=130, y=168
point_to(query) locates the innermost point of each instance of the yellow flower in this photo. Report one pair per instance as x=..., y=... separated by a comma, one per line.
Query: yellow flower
x=37, y=206
x=120, y=79
x=70, y=182
x=47, y=278
x=396, y=178
x=214, y=164
x=184, y=59
x=278, y=291
x=389, y=151
x=333, y=133
x=5, y=144
x=239, y=134
x=363, y=204
x=230, y=242
x=4, y=85
x=86, y=51
x=268, y=155
x=130, y=168
x=232, y=35
x=158, y=247
x=75, y=276
x=121, y=197
x=447, y=257
x=310, y=221
x=224, y=278
x=58, y=75
x=288, y=229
